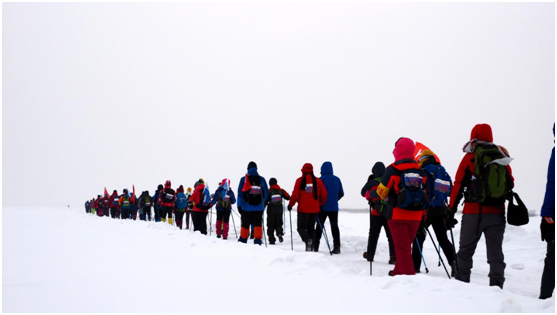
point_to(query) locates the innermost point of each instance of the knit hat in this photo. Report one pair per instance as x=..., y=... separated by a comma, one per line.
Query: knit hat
x=180, y=189
x=404, y=149
x=252, y=164
x=272, y=181
x=482, y=132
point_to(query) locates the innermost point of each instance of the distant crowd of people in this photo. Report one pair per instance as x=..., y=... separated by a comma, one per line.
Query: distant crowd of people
x=405, y=199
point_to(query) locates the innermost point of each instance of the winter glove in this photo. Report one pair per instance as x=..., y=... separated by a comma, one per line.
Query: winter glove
x=450, y=221
x=547, y=228
x=289, y=208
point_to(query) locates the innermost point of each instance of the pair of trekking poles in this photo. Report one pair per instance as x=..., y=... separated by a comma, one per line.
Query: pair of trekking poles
x=438, y=250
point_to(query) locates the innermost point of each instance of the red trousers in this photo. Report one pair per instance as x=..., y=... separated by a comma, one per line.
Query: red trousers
x=403, y=233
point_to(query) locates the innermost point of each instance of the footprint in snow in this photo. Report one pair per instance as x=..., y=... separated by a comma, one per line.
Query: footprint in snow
x=517, y=266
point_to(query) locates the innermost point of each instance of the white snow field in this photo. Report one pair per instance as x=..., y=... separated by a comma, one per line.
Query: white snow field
x=64, y=260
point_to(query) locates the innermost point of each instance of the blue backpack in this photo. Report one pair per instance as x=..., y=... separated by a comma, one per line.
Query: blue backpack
x=439, y=186
x=412, y=195
x=181, y=201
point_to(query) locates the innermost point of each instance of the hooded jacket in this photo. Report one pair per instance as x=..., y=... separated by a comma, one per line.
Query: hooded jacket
x=197, y=198
x=480, y=132
x=243, y=204
x=548, y=207
x=167, y=191
x=390, y=182
x=114, y=201
x=307, y=201
x=333, y=185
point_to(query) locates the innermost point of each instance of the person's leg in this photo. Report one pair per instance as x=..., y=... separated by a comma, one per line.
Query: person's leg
x=225, y=225
x=403, y=233
x=179, y=218
x=417, y=248
x=392, y=253
x=438, y=225
x=311, y=225
x=467, y=246
x=218, y=224
x=245, y=226
x=318, y=230
x=548, y=276
x=302, y=226
x=333, y=219
x=203, y=222
x=271, y=224
x=257, y=221
x=494, y=233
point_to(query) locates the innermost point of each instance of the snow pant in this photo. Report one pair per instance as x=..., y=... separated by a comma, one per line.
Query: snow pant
x=179, y=216
x=145, y=213
x=105, y=212
x=333, y=217
x=254, y=218
x=114, y=213
x=125, y=214
x=188, y=213
x=403, y=233
x=438, y=224
x=274, y=223
x=222, y=225
x=375, y=224
x=157, y=214
x=166, y=213
x=199, y=221
x=93, y=211
x=306, y=225
x=100, y=212
x=548, y=276
x=133, y=214
x=493, y=228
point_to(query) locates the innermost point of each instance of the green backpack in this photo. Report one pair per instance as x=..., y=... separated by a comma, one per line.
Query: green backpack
x=491, y=183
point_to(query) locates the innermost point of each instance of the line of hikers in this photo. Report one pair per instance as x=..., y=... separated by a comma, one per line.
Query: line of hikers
x=405, y=199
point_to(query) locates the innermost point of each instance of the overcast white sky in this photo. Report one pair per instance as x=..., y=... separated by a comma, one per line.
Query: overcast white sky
x=112, y=95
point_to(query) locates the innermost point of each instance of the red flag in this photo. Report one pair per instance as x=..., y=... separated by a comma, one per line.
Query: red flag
x=420, y=147
x=247, y=184
x=105, y=192
x=133, y=194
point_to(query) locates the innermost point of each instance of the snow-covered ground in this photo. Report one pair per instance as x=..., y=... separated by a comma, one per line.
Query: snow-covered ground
x=64, y=260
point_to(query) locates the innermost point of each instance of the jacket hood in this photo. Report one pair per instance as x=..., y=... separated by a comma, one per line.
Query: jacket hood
x=307, y=168
x=482, y=132
x=180, y=189
x=327, y=168
x=275, y=187
x=252, y=171
x=272, y=181
x=378, y=169
x=404, y=149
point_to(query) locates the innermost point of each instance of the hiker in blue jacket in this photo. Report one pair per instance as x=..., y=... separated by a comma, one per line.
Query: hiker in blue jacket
x=333, y=185
x=252, y=194
x=547, y=228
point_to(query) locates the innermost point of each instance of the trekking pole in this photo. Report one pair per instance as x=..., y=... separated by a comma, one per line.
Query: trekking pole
x=210, y=220
x=234, y=224
x=324, y=234
x=454, y=252
x=438, y=252
x=291, y=237
x=263, y=226
x=423, y=259
x=370, y=262
x=283, y=217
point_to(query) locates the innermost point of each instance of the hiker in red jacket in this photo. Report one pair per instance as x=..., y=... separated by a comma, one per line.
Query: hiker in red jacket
x=114, y=205
x=487, y=217
x=404, y=219
x=200, y=209
x=310, y=194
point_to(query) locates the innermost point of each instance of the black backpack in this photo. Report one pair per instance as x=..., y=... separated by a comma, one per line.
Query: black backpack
x=276, y=197
x=254, y=196
x=168, y=195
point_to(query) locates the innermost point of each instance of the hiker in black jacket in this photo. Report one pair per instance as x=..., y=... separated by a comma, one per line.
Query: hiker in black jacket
x=275, y=210
x=377, y=216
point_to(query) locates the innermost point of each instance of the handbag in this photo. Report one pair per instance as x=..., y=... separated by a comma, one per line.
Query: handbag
x=517, y=214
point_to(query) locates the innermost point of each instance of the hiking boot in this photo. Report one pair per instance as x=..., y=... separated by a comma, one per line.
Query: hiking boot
x=391, y=274
x=336, y=249
x=218, y=235
x=366, y=257
x=243, y=240
x=392, y=260
x=271, y=242
x=258, y=242
x=453, y=269
x=280, y=238
x=316, y=246
x=417, y=271
x=309, y=245
x=224, y=238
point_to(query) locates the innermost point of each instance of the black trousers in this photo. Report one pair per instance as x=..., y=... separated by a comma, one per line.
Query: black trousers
x=114, y=212
x=306, y=225
x=223, y=215
x=157, y=213
x=199, y=221
x=333, y=216
x=166, y=212
x=125, y=214
x=375, y=224
x=274, y=223
x=438, y=224
x=548, y=276
x=254, y=218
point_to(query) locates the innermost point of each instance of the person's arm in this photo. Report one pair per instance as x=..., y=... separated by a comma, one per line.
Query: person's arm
x=322, y=192
x=295, y=194
x=341, y=191
x=460, y=182
x=285, y=194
